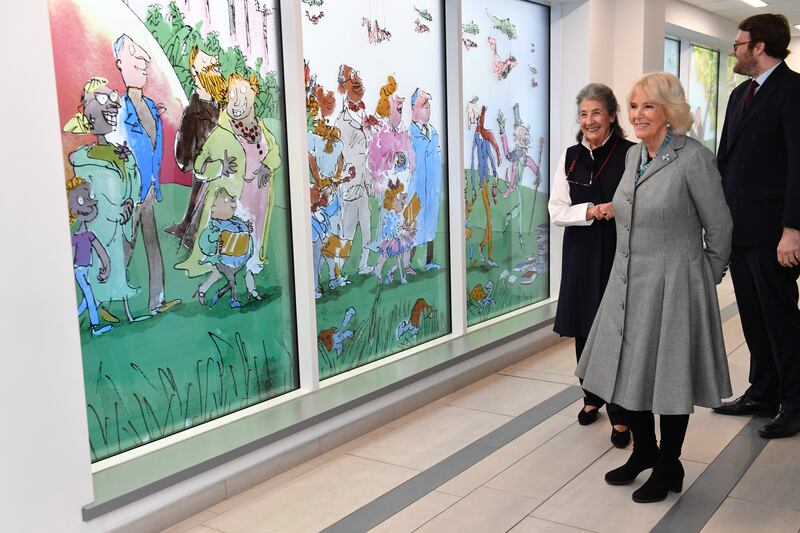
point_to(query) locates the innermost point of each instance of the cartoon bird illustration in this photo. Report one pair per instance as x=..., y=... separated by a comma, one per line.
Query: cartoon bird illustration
x=504, y=26
x=410, y=327
x=533, y=70
x=375, y=34
x=469, y=43
x=419, y=27
x=471, y=28
x=481, y=295
x=315, y=18
x=333, y=338
x=424, y=13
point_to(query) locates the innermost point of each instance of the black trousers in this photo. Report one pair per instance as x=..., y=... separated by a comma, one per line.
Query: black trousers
x=767, y=294
x=616, y=414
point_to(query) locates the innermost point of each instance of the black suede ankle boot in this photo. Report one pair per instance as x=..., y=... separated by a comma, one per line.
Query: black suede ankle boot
x=645, y=451
x=638, y=462
x=665, y=478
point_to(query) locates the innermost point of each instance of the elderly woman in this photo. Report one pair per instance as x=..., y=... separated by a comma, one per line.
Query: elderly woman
x=585, y=181
x=656, y=344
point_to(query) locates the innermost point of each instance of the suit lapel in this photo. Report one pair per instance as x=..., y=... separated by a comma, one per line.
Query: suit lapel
x=744, y=116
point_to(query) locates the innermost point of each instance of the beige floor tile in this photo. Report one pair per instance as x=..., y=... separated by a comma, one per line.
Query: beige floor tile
x=732, y=332
x=537, y=525
x=469, y=389
x=285, y=477
x=316, y=499
x=558, y=359
x=773, y=477
x=741, y=516
x=417, y=513
x=740, y=379
x=202, y=529
x=709, y=433
x=483, y=511
x=542, y=376
x=550, y=466
x=588, y=502
x=740, y=356
x=190, y=523
x=432, y=437
x=726, y=299
x=484, y=470
x=572, y=409
x=417, y=413
x=508, y=395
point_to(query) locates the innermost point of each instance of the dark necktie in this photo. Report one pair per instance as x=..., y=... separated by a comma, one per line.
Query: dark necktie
x=751, y=90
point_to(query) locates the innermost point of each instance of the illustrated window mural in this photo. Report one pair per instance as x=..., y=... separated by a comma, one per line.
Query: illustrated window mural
x=672, y=56
x=702, y=95
x=506, y=80
x=175, y=175
x=375, y=95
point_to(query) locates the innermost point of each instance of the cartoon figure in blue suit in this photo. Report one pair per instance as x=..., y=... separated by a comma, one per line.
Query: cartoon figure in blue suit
x=426, y=182
x=140, y=127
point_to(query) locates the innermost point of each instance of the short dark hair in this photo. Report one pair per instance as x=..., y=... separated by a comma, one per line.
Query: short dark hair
x=770, y=29
x=604, y=95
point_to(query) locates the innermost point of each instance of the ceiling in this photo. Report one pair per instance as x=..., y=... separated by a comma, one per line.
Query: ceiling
x=736, y=10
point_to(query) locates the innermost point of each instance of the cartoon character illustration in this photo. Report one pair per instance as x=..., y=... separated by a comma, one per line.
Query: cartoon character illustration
x=424, y=13
x=396, y=235
x=83, y=208
x=140, y=127
x=227, y=243
x=375, y=34
x=354, y=125
x=240, y=155
x=533, y=71
x=409, y=327
x=481, y=295
x=471, y=28
x=419, y=27
x=333, y=338
x=468, y=206
x=469, y=43
x=501, y=67
x=314, y=19
x=324, y=207
x=390, y=142
x=472, y=113
x=426, y=181
x=199, y=118
x=483, y=142
x=112, y=174
x=504, y=26
x=520, y=160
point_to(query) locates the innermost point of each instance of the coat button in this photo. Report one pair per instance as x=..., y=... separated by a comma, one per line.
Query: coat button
x=624, y=279
x=619, y=330
x=627, y=227
x=624, y=253
x=629, y=199
x=622, y=305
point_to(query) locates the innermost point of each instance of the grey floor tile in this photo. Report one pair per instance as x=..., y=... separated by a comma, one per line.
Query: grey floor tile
x=742, y=516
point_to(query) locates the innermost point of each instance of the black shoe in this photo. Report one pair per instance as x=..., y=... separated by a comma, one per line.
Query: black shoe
x=665, y=478
x=637, y=463
x=620, y=439
x=745, y=406
x=786, y=424
x=587, y=417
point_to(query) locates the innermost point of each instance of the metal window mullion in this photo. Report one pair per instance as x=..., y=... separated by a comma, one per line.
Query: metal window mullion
x=294, y=94
x=455, y=165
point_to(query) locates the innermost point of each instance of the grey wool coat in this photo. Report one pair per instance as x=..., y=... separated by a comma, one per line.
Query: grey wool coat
x=656, y=341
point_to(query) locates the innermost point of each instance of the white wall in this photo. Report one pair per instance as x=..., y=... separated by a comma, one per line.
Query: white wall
x=794, y=58
x=44, y=447
x=694, y=19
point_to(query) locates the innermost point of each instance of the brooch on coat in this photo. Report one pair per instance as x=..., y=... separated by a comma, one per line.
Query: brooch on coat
x=666, y=157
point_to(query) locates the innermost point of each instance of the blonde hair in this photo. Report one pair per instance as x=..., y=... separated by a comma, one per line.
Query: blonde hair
x=391, y=193
x=71, y=184
x=666, y=90
x=252, y=80
x=382, y=109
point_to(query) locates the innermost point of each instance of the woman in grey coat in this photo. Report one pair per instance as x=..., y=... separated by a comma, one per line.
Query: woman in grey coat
x=656, y=343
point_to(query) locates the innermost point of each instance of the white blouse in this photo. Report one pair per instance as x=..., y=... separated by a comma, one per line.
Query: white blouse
x=562, y=212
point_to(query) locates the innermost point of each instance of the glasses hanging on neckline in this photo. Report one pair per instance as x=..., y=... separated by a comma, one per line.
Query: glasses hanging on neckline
x=592, y=177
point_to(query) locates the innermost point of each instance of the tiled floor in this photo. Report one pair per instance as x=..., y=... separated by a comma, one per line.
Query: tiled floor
x=549, y=479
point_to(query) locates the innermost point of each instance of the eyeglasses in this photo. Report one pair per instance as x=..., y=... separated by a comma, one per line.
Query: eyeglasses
x=735, y=44
x=103, y=98
x=592, y=176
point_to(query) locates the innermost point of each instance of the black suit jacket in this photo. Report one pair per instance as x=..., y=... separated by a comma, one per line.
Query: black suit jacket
x=759, y=159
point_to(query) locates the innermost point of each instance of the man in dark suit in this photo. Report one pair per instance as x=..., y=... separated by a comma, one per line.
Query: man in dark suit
x=759, y=159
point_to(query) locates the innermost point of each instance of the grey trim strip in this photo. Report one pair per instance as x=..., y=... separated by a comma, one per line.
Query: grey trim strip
x=729, y=312
x=415, y=488
x=698, y=504
x=97, y=509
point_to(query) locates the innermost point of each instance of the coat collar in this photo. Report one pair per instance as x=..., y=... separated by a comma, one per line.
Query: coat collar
x=668, y=156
